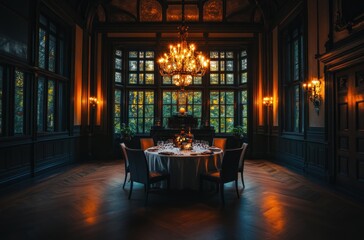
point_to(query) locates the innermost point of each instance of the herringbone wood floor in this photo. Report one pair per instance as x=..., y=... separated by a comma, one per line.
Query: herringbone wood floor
x=87, y=202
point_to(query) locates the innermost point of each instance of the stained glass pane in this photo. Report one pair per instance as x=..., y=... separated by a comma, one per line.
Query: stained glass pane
x=133, y=78
x=52, y=54
x=230, y=97
x=119, y=53
x=61, y=57
x=243, y=53
x=117, y=111
x=214, y=66
x=133, y=54
x=50, y=105
x=167, y=80
x=118, y=77
x=222, y=54
x=141, y=78
x=133, y=65
x=197, y=80
x=118, y=63
x=222, y=78
x=141, y=54
x=149, y=65
x=244, y=77
x=19, y=103
x=222, y=66
x=141, y=65
x=42, y=48
x=149, y=54
x=149, y=78
x=167, y=97
x=40, y=105
x=229, y=55
x=244, y=65
x=214, y=78
x=229, y=78
x=214, y=54
x=229, y=65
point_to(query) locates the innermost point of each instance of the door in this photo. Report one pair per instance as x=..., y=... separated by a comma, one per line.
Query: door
x=350, y=128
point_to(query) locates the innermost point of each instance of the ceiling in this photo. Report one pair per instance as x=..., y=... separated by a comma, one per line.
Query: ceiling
x=210, y=11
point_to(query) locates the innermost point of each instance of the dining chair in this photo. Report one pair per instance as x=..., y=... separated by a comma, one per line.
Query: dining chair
x=227, y=173
x=241, y=162
x=126, y=162
x=146, y=143
x=139, y=171
x=219, y=142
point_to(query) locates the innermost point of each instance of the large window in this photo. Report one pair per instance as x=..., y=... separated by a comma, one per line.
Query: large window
x=221, y=68
x=141, y=110
x=222, y=111
x=51, y=115
x=293, y=72
x=174, y=100
x=141, y=94
x=51, y=46
x=141, y=67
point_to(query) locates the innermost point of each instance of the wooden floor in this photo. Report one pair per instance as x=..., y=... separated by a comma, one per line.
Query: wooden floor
x=87, y=202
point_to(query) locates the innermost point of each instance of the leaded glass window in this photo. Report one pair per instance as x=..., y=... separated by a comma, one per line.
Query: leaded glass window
x=117, y=110
x=19, y=110
x=294, y=65
x=50, y=46
x=244, y=110
x=141, y=67
x=141, y=110
x=50, y=105
x=40, y=104
x=221, y=68
x=222, y=111
x=173, y=100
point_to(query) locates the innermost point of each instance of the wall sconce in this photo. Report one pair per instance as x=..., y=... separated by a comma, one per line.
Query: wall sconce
x=93, y=102
x=313, y=89
x=268, y=101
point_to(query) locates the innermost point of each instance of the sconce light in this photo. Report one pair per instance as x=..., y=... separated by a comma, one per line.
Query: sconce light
x=313, y=89
x=93, y=102
x=268, y=101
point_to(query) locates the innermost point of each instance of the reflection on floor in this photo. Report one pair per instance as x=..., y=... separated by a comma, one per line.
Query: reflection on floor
x=88, y=202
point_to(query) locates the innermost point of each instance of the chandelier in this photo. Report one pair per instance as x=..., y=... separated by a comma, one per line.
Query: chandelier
x=182, y=62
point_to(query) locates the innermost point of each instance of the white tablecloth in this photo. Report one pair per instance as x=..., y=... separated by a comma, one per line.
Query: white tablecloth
x=183, y=167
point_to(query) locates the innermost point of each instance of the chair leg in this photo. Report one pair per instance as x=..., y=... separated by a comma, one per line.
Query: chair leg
x=236, y=187
x=242, y=178
x=131, y=189
x=222, y=193
x=126, y=175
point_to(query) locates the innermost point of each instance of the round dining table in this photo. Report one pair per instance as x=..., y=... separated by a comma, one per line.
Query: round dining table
x=184, y=166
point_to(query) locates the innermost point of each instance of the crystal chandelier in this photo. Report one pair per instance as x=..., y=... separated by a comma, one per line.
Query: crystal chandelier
x=182, y=63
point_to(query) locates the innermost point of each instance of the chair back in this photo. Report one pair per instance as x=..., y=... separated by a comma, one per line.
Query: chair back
x=139, y=171
x=242, y=157
x=230, y=164
x=123, y=151
x=146, y=143
x=219, y=142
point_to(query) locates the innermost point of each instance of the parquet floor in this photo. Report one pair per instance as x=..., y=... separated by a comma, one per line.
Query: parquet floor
x=87, y=202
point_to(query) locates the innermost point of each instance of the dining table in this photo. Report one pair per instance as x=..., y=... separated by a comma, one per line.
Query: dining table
x=184, y=166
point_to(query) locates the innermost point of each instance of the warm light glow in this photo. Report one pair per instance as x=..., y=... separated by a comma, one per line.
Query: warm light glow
x=93, y=101
x=268, y=101
x=182, y=110
x=182, y=63
x=273, y=213
x=313, y=90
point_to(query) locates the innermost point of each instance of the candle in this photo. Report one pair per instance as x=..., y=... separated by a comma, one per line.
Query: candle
x=182, y=111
